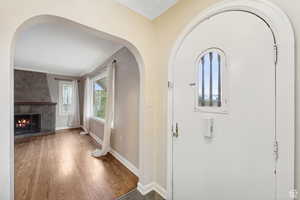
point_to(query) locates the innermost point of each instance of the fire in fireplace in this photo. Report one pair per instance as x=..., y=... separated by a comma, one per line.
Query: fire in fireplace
x=23, y=123
x=27, y=123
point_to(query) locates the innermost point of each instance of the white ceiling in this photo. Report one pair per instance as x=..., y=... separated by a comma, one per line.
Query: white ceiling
x=148, y=8
x=61, y=48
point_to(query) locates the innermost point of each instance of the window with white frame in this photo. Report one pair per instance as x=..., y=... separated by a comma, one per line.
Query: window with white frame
x=65, y=97
x=211, y=80
x=99, y=85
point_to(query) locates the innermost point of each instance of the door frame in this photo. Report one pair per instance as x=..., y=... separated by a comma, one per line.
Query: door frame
x=281, y=26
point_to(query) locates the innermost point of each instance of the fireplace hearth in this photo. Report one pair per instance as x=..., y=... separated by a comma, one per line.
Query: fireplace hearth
x=27, y=123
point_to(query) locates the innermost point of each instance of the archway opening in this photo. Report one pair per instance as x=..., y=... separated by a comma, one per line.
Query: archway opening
x=52, y=58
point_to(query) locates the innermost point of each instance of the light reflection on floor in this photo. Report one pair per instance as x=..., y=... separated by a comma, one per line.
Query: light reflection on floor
x=60, y=167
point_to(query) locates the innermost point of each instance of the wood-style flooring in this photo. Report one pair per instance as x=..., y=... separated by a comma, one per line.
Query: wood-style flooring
x=59, y=167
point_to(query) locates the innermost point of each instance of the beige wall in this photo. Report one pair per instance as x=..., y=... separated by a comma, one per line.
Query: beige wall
x=125, y=136
x=107, y=16
x=153, y=41
x=168, y=27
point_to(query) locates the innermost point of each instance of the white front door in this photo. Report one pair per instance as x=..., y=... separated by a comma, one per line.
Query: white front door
x=226, y=123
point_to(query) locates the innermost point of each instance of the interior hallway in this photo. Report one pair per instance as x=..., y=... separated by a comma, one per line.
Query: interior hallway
x=59, y=167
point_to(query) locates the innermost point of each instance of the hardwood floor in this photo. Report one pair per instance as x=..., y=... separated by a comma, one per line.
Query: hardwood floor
x=59, y=167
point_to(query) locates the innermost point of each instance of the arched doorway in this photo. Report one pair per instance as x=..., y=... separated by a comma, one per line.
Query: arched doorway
x=133, y=50
x=283, y=131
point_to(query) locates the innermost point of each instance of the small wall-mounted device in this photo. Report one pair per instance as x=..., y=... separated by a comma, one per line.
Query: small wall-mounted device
x=209, y=128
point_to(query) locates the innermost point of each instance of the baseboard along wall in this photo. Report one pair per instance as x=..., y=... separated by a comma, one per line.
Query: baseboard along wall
x=66, y=127
x=118, y=156
x=143, y=189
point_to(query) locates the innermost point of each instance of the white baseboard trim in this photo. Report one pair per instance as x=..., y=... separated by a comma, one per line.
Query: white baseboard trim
x=125, y=162
x=66, y=127
x=145, y=189
x=118, y=156
x=160, y=190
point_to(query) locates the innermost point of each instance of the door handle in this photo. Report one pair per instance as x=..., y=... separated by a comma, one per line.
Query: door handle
x=175, y=133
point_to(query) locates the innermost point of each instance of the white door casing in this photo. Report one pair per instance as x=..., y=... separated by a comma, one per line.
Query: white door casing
x=284, y=104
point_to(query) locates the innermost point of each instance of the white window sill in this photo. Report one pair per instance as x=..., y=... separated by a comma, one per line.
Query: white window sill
x=98, y=119
x=102, y=121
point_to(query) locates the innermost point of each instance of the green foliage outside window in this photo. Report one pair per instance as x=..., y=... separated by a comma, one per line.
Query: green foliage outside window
x=100, y=96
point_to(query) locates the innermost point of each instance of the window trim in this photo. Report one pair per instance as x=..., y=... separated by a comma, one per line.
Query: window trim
x=223, y=109
x=60, y=96
x=93, y=80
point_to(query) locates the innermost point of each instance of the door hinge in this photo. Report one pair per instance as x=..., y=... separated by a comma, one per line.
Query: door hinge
x=276, y=150
x=293, y=194
x=170, y=85
x=275, y=53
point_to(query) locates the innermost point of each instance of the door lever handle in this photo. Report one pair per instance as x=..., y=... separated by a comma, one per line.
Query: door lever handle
x=175, y=133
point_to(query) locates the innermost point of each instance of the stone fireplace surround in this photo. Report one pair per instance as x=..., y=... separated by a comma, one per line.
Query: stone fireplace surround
x=45, y=109
x=32, y=96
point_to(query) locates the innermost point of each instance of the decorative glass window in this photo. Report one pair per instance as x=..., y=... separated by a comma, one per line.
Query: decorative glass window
x=211, y=76
x=99, y=97
x=65, y=96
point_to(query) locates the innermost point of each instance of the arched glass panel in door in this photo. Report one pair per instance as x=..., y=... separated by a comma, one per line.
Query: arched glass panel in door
x=211, y=76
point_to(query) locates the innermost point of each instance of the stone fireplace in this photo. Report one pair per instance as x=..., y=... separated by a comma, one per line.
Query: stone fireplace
x=34, y=111
x=46, y=112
